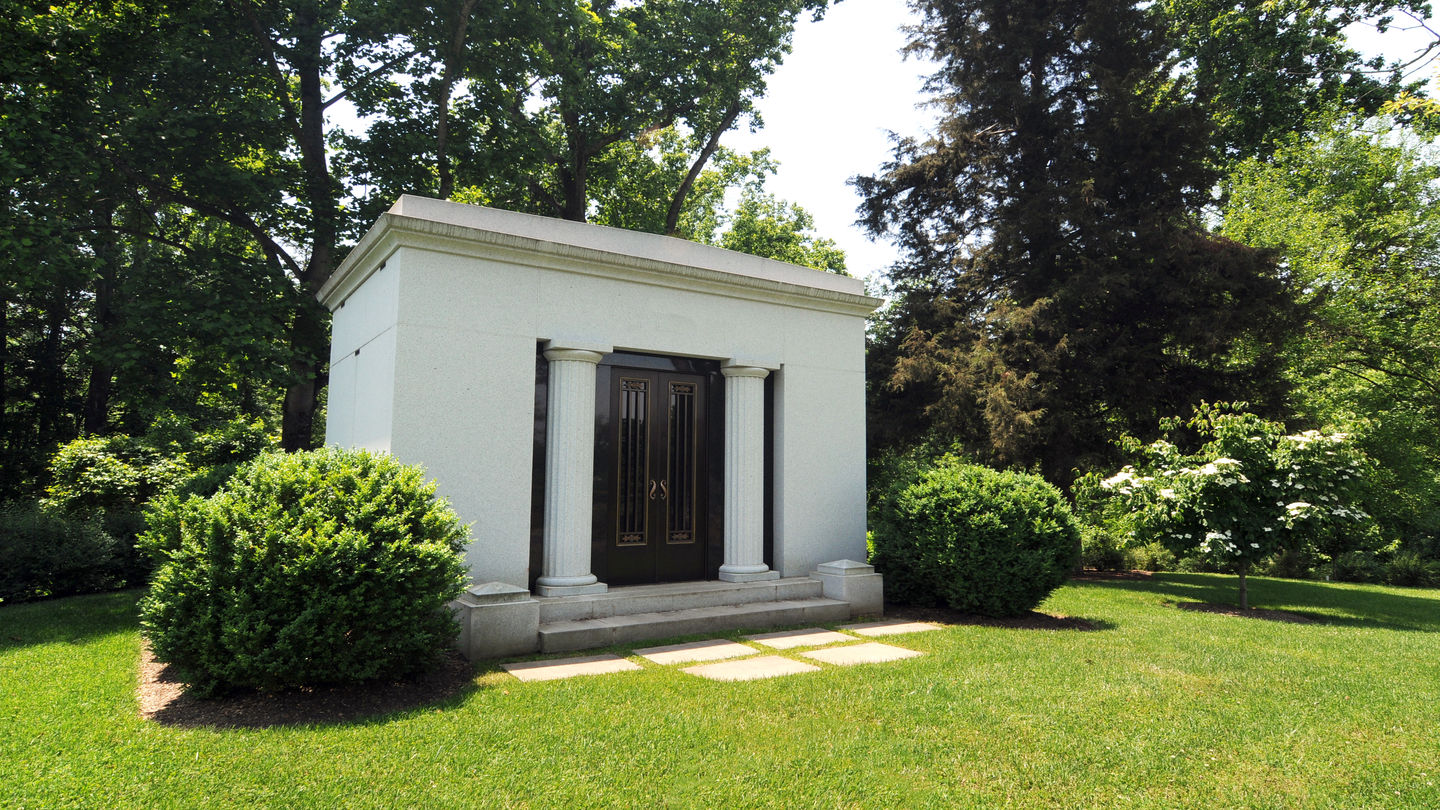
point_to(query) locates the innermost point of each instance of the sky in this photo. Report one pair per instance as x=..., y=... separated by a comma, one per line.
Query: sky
x=845, y=86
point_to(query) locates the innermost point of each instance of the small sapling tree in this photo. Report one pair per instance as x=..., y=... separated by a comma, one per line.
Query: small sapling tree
x=1252, y=489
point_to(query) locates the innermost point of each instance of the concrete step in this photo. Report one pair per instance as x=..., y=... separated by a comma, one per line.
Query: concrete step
x=673, y=596
x=584, y=634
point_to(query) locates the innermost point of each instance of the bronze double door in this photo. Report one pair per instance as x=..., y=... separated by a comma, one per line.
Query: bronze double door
x=652, y=493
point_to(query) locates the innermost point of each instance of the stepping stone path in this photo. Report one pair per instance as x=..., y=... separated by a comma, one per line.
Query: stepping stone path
x=557, y=668
x=709, y=650
x=750, y=669
x=809, y=637
x=889, y=628
x=872, y=652
x=749, y=665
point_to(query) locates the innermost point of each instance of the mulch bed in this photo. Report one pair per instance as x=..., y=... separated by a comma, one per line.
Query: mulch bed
x=163, y=699
x=1252, y=613
x=1029, y=621
x=1090, y=575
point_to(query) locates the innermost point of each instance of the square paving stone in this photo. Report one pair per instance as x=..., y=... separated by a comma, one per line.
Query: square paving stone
x=557, y=668
x=750, y=669
x=871, y=652
x=808, y=637
x=708, y=650
x=890, y=627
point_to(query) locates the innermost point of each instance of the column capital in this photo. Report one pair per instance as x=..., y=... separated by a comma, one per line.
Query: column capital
x=745, y=371
x=582, y=355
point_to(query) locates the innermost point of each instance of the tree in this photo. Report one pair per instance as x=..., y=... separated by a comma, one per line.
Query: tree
x=573, y=88
x=1057, y=289
x=1264, y=68
x=764, y=226
x=154, y=137
x=1352, y=208
x=1249, y=491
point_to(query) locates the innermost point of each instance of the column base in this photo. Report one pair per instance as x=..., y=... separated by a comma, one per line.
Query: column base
x=570, y=590
x=753, y=576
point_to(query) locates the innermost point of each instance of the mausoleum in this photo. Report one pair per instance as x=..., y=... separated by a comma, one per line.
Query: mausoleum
x=649, y=436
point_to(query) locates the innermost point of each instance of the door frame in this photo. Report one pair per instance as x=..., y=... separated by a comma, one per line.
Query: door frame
x=714, y=438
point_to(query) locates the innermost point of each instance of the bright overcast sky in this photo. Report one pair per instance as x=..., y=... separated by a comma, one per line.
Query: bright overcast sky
x=831, y=104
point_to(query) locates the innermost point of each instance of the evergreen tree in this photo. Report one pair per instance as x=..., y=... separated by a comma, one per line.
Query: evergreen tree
x=1057, y=287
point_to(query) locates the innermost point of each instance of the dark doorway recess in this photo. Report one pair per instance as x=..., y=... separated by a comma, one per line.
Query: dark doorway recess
x=658, y=444
x=657, y=419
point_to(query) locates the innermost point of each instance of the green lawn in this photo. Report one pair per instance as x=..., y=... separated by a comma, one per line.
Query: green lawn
x=1159, y=708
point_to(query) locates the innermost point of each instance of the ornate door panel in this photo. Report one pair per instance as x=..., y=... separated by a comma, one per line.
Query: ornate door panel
x=654, y=448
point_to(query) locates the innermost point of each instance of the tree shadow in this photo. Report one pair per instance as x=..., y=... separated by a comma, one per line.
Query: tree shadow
x=1034, y=620
x=68, y=619
x=164, y=700
x=1321, y=602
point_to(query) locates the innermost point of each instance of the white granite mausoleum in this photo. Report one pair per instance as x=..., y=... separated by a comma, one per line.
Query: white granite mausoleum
x=620, y=416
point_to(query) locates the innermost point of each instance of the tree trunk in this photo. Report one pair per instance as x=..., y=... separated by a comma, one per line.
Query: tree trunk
x=448, y=77
x=1244, y=593
x=307, y=331
x=95, y=416
x=310, y=344
x=51, y=371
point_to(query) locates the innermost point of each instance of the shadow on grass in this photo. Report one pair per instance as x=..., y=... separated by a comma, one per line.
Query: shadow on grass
x=164, y=700
x=1322, y=602
x=69, y=619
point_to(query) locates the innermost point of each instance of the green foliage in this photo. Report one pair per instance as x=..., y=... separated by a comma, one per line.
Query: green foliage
x=764, y=226
x=974, y=539
x=1058, y=288
x=1267, y=67
x=1249, y=492
x=1354, y=209
x=1410, y=569
x=45, y=554
x=1352, y=566
x=1101, y=551
x=1153, y=557
x=307, y=568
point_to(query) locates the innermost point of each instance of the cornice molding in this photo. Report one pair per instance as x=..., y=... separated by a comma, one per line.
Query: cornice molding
x=393, y=231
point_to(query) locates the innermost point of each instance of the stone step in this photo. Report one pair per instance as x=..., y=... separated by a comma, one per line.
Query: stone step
x=584, y=634
x=673, y=596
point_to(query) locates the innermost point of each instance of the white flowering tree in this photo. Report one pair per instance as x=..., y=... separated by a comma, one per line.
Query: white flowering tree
x=1250, y=491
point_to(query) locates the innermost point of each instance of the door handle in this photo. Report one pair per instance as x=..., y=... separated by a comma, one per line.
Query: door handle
x=652, y=489
x=664, y=491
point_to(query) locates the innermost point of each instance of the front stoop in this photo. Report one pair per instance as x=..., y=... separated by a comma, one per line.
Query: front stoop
x=500, y=620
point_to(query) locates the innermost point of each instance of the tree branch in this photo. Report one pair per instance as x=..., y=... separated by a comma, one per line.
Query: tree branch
x=385, y=68
x=677, y=202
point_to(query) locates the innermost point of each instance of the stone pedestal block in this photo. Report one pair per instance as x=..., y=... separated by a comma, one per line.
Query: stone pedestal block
x=496, y=620
x=853, y=582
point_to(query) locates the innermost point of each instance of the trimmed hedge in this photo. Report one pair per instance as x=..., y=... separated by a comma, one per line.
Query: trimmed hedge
x=305, y=569
x=974, y=539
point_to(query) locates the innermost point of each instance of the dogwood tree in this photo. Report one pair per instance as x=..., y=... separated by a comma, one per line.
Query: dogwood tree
x=1251, y=489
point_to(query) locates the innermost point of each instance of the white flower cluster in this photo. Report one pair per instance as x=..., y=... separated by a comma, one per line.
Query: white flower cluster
x=1125, y=482
x=1216, y=542
x=1225, y=471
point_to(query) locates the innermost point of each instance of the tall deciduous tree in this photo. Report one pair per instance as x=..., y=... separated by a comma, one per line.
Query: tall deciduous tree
x=1354, y=211
x=1266, y=67
x=1057, y=289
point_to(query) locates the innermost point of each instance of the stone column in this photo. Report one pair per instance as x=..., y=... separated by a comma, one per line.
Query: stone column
x=745, y=475
x=569, y=473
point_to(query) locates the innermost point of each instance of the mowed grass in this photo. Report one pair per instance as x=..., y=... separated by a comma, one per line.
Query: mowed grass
x=1160, y=707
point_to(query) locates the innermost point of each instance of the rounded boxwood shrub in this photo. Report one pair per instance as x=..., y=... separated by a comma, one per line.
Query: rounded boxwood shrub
x=305, y=569
x=974, y=539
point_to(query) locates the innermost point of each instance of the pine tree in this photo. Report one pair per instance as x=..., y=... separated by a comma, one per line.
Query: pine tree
x=1058, y=287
